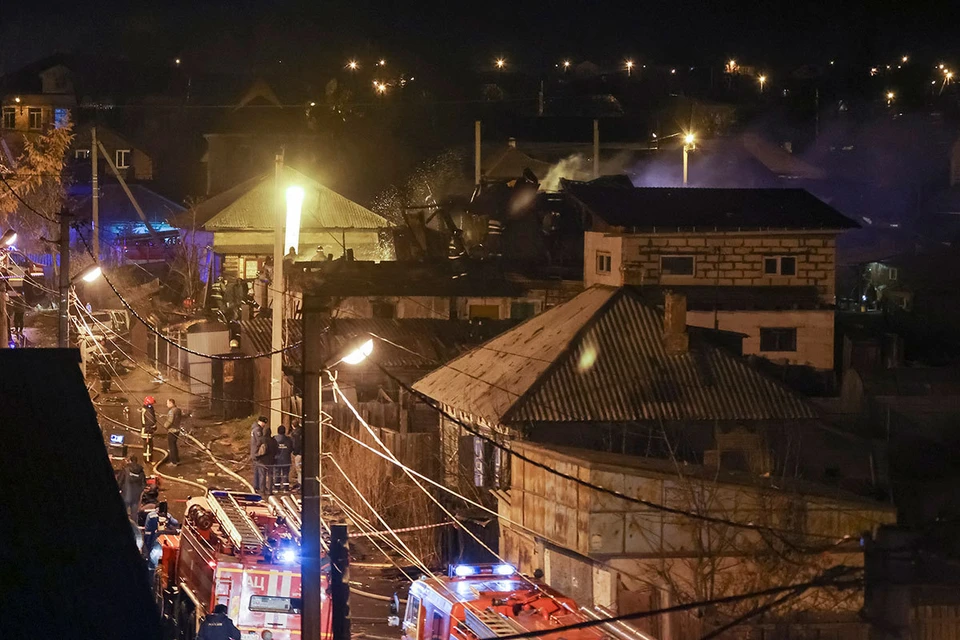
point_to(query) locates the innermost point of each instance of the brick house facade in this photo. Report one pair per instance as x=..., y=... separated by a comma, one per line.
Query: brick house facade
x=761, y=262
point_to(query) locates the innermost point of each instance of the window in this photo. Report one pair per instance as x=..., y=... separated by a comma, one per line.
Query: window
x=61, y=117
x=9, y=117
x=436, y=633
x=81, y=154
x=383, y=309
x=677, y=265
x=894, y=274
x=603, y=262
x=35, y=117
x=123, y=158
x=412, y=617
x=778, y=339
x=522, y=310
x=275, y=604
x=780, y=266
x=486, y=311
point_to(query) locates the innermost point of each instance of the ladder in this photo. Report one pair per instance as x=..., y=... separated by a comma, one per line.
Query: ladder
x=497, y=624
x=242, y=531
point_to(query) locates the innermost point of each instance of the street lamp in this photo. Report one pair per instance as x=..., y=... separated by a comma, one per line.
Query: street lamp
x=8, y=238
x=630, y=65
x=294, y=206
x=315, y=323
x=890, y=97
x=353, y=65
x=763, y=80
x=566, y=65
x=501, y=63
x=689, y=144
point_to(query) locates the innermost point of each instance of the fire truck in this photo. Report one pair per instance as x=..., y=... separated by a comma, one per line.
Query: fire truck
x=481, y=602
x=240, y=550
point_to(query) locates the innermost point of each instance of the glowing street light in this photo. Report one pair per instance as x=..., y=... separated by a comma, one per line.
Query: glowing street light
x=177, y=62
x=762, y=80
x=291, y=240
x=382, y=62
x=689, y=144
x=500, y=63
x=381, y=87
x=353, y=65
x=359, y=354
x=90, y=274
x=629, y=65
x=566, y=65
x=8, y=238
x=904, y=59
x=890, y=97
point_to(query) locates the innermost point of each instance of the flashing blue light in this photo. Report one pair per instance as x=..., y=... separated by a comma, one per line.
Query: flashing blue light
x=464, y=570
x=504, y=569
x=287, y=556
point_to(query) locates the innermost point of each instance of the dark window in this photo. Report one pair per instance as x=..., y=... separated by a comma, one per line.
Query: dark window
x=522, y=310
x=603, y=262
x=780, y=265
x=9, y=117
x=894, y=273
x=778, y=339
x=35, y=115
x=676, y=265
x=384, y=309
x=734, y=460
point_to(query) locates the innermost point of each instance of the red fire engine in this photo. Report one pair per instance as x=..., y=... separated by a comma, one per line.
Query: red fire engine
x=239, y=550
x=481, y=602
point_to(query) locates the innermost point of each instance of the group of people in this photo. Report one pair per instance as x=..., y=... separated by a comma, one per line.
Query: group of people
x=273, y=456
x=171, y=423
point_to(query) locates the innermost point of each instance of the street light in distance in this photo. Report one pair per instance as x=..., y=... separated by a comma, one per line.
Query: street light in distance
x=762, y=80
x=629, y=65
x=500, y=63
x=689, y=144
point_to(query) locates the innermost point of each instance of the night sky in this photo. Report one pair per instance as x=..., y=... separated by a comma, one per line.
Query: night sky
x=448, y=35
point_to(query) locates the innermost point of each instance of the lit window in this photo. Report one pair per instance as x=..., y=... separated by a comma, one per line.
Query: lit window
x=61, y=117
x=123, y=158
x=780, y=266
x=604, y=262
x=778, y=339
x=35, y=118
x=677, y=265
x=81, y=154
x=9, y=117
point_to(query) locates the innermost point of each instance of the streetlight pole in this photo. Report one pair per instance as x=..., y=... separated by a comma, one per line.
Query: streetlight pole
x=63, y=332
x=276, y=283
x=689, y=144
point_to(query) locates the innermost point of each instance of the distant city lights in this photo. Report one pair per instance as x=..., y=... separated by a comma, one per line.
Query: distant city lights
x=904, y=59
x=500, y=63
x=353, y=65
x=629, y=65
x=762, y=80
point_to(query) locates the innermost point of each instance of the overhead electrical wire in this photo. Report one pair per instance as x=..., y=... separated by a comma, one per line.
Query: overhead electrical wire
x=584, y=483
x=26, y=204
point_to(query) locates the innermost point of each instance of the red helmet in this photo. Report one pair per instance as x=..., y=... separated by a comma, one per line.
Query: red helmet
x=149, y=400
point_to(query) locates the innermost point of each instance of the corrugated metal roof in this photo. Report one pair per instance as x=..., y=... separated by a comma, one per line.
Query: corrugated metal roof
x=253, y=205
x=705, y=209
x=600, y=357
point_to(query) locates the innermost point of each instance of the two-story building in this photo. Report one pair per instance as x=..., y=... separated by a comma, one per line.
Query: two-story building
x=760, y=262
x=35, y=99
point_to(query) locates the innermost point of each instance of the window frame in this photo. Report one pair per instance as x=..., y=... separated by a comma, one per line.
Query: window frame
x=127, y=158
x=604, y=262
x=779, y=268
x=893, y=274
x=81, y=154
x=12, y=112
x=31, y=112
x=668, y=256
x=779, y=347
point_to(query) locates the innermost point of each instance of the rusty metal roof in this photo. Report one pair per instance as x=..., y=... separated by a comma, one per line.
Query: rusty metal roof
x=252, y=205
x=600, y=357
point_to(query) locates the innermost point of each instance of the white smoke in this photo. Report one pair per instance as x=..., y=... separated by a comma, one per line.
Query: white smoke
x=580, y=167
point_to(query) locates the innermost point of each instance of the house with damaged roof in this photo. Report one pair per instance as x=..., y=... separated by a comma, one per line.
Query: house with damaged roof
x=600, y=423
x=760, y=262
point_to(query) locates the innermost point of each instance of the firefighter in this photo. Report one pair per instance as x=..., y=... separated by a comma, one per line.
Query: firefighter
x=172, y=424
x=132, y=481
x=148, y=426
x=217, y=626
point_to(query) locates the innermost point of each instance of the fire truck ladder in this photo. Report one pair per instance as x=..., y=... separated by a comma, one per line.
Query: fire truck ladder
x=497, y=624
x=243, y=533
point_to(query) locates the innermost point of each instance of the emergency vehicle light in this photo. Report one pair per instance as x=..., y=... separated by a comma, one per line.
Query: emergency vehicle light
x=287, y=556
x=467, y=570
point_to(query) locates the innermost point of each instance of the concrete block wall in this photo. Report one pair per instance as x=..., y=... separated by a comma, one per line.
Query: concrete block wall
x=723, y=259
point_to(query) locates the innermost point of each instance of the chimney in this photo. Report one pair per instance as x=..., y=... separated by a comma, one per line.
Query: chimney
x=675, y=338
x=512, y=143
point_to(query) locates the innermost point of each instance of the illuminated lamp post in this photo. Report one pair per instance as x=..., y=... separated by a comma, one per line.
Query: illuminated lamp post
x=689, y=144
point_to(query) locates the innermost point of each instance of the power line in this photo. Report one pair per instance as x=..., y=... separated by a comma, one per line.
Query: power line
x=828, y=578
x=617, y=494
x=159, y=334
x=16, y=195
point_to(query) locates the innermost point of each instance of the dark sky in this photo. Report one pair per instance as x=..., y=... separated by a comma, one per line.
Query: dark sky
x=449, y=34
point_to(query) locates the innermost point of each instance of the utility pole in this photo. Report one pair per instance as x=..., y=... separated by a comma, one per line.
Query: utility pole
x=476, y=153
x=340, y=581
x=4, y=285
x=596, y=148
x=95, y=192
x=276, y=342
x=316, y=316
x=63, y=334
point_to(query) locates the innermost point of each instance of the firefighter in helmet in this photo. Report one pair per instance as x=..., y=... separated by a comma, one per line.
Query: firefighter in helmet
x=148, y=426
